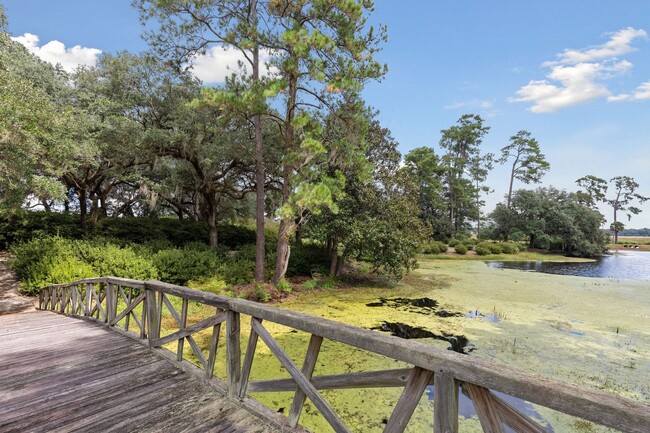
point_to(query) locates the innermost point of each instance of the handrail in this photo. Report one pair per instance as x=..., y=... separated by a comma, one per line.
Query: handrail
x=97, y=298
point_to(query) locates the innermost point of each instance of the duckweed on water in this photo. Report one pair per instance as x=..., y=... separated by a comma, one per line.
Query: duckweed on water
x=541, y=319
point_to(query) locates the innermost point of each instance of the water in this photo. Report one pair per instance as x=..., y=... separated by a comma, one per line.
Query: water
x=624, y=265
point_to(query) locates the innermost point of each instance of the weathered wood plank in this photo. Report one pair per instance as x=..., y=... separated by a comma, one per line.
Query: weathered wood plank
x=445, y=411
x=183, y=324
x=311, y=357
x=485, y=408
x=366, y=379
x=304, y=384
x=418, y=381
x=198, y=326
x=248, y=363
x=129, y=308
x=233, y=353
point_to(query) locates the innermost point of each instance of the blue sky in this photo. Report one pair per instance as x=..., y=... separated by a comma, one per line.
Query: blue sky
x=576, y=74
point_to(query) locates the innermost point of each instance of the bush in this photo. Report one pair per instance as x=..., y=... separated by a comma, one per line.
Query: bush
x=435, y=247
x=236, y=271
x=284, y=286
x=214, y=285
x=261, y=294
x=461, y=249
x=108, y=259
x=482, y=249
x=494, y=247
x=180, y=266
x=453, y=242
x=24, y=226
x=321, y=283
x=509, y=248
x=307, y=259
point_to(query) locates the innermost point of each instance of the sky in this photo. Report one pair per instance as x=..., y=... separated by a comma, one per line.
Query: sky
x=576, y=74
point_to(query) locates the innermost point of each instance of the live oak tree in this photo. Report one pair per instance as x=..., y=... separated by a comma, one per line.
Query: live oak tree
x=34, y=121
x=528, y=163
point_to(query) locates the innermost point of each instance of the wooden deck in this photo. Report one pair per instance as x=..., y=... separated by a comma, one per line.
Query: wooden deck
x=61, y=374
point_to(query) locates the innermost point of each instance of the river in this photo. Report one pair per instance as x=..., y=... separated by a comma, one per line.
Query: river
x=623, y=265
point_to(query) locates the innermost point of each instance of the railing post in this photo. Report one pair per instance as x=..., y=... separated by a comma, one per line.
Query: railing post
x=40, y=299
x=445, y=411
x=89, y=299
x=111, y=302
x=233, y=353
x=153, y=329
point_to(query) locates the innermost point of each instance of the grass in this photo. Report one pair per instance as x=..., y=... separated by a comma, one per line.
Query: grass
x=643, y=242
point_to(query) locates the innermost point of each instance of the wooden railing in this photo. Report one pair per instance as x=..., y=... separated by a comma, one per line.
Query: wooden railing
x=143, y=304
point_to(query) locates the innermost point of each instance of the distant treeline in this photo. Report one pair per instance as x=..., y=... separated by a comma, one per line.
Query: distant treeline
x=635, y=232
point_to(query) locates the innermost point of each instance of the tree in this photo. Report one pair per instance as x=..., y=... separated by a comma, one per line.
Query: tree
x=624, y=196
x=34, y=133
x=425, y=168
x=552, y=219
x=529, y=164
x=462, y=144
x=595, y=190
x=479, y=167
x=625, y=187
x=190, y=28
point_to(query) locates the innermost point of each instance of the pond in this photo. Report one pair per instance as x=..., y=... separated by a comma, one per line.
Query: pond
x=624, y=265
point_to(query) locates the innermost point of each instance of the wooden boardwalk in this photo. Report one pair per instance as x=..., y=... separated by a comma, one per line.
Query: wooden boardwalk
x=61, y=374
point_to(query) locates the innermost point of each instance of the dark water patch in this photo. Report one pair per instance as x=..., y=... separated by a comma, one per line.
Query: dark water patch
x=466, y=408
x=458, y=343
x=417, y=305
x=425, y=306
x=624, y=265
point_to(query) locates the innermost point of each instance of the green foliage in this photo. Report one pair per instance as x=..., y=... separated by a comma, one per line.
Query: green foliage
x=284, y=286
x=238, y=271
x=461, y=248
x=509, y=248
x=180, y=266
x=551, y=219
x=307, y=259
x=53, y=260
x=261, y=294
x=482, y=249
x=23, y=226
x=215, y=285
x=435, y=247
x=495, y=248
x=321, y=283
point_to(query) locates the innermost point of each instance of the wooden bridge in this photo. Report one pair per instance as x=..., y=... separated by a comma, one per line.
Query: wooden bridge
x=109, y=372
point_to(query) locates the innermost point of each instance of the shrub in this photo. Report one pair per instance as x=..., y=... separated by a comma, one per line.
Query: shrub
x=494, y=247
x=509, y=248
x=307, y=259
x=24, y=226
x=284, y=286
x=180, y=266
x=461, y=249
x=108, y=259
x=310, y=284
x=435, y=247
x=453, y=242
x=238, y=271
x=261, y=294
x=214, y=285
x=482, y=249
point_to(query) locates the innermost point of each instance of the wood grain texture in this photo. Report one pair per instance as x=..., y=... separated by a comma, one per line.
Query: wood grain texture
x=61, y=374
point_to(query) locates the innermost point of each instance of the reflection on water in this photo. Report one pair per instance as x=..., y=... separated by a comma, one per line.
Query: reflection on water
x=624, y=265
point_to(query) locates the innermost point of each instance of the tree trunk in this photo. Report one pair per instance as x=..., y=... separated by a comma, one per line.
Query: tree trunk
x=615, y=225
x=283, y=250
x=332, y=251
x=298, y=232
x=260, y=240
x=478, y=211
x=83, y=212
x=211, y=218
x=512, y=180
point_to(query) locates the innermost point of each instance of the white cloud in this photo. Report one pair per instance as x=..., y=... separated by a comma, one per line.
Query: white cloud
x=486, y=107
x=220, y=62
x=55, y=52
x=641, y=93
x=618, y=44
x=577, y=76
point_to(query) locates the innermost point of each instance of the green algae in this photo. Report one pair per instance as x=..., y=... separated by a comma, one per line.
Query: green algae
x=586, y=331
